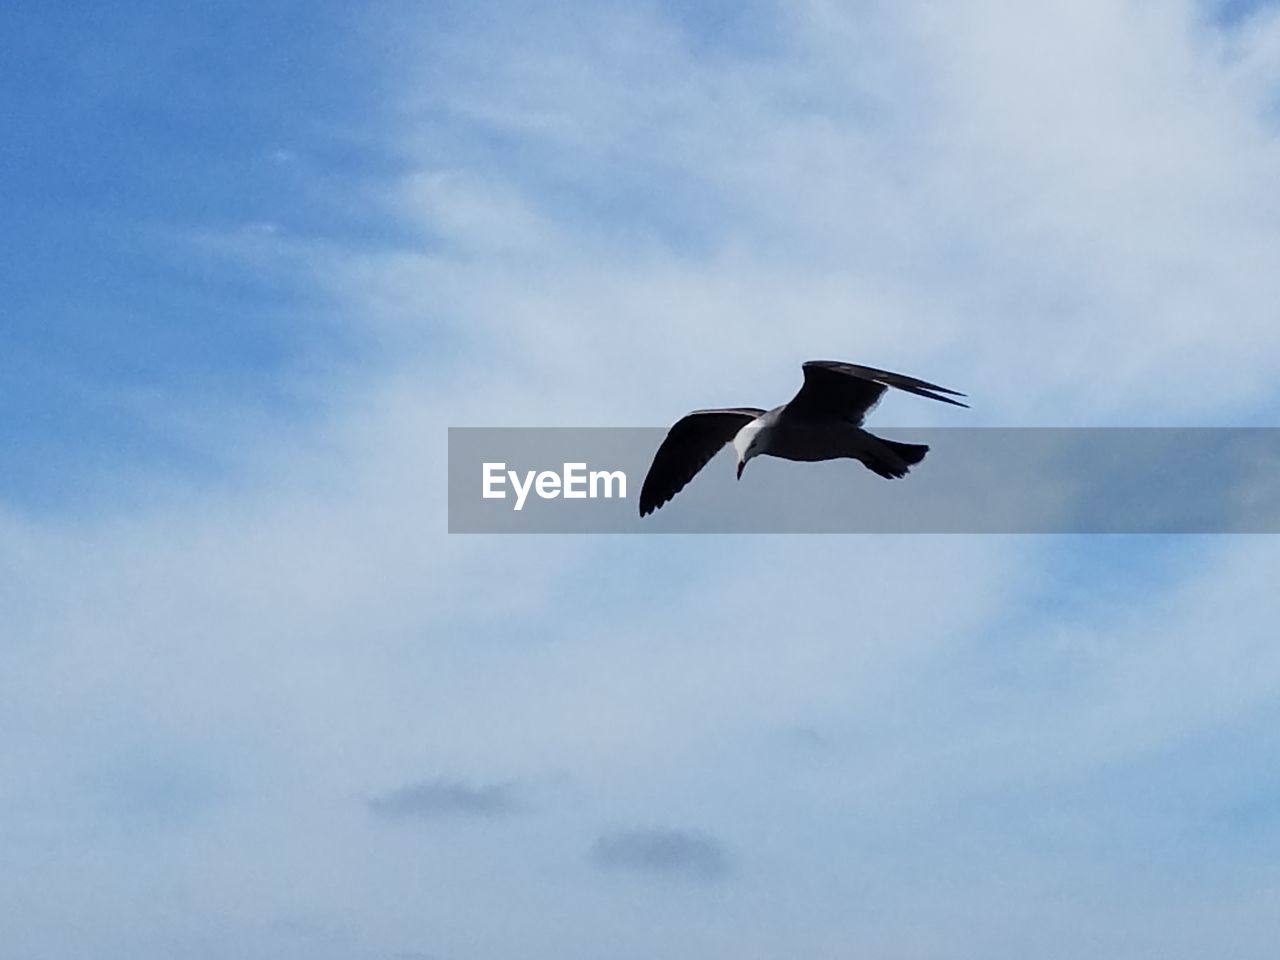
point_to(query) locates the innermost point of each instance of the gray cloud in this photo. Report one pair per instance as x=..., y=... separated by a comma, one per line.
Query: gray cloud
x=428, y=799
x=689, y=853
x=806, y=737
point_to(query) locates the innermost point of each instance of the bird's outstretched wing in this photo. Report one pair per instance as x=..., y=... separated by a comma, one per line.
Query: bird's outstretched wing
x=694, y=440
x=849, y=391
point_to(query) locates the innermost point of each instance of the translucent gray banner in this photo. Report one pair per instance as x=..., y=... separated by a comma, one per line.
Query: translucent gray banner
x=975, y=480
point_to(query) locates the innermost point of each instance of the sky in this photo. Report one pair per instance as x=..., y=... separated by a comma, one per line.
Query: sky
x=256, y=702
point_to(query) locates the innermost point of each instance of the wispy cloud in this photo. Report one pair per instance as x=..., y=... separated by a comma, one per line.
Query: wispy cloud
x=430, y=799
x=663, y=851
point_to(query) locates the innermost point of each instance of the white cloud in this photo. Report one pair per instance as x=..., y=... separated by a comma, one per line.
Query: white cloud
x=1093, y=176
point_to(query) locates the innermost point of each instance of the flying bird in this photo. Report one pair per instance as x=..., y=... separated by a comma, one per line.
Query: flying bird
x=822, y=422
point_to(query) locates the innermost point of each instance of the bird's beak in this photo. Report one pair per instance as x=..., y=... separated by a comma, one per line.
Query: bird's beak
x=741, y=464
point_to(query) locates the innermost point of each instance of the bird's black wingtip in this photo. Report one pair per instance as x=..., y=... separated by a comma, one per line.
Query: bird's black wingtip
x=901, y=381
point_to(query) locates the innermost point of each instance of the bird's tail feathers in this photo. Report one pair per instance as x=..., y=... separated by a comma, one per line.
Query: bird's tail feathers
x=892, y=459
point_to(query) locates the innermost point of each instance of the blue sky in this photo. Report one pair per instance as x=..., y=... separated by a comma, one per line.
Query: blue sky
x=133, y=130
x=256, y=703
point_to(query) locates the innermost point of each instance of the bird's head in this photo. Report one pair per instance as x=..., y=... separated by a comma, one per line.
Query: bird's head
x=747, y=444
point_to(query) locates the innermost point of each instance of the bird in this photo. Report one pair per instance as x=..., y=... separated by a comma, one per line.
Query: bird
x=821, y=422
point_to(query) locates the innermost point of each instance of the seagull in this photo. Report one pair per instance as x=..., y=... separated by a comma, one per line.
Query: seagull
x=822, y=422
